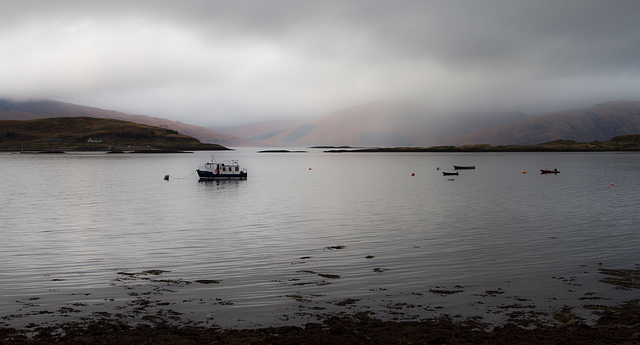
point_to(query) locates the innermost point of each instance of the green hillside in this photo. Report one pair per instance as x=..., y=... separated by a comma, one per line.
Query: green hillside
x=93, y=134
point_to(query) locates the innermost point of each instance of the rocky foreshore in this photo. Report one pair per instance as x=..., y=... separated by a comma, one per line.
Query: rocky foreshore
x=613, y=324
x=617, y=325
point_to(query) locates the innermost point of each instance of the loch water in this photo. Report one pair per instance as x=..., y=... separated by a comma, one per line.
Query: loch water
x=91, y=235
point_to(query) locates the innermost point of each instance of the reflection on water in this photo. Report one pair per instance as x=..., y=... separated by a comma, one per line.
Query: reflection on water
x=306, y=234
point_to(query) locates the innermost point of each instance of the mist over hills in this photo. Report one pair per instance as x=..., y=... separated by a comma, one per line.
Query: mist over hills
x=381, y=125
x=599, y=122
x=376, y=124
x=410, y=124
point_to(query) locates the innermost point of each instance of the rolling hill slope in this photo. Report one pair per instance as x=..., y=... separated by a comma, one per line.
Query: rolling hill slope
x=90, y=133
x=29, y=110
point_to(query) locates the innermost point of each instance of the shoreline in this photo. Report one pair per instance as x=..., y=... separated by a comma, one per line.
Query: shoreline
x=616, y=325
x=613, y=324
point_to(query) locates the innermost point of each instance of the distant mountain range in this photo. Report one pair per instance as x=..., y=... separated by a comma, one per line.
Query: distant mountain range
x=381, y=124
x=599, y=122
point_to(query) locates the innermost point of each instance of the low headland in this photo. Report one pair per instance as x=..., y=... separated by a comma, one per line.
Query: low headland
x=282, y=151
x=57, y=135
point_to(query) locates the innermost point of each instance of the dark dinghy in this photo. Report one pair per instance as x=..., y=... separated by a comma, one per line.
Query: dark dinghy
x=449, y=173
x=464, y=167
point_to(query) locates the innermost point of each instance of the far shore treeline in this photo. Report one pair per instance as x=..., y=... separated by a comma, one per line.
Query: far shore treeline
x=629, y=142
x=93, y=134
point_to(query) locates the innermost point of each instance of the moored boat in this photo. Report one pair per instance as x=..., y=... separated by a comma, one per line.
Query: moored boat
x=228, y=170
x=464, y=167
x=548, y=171
x=449, y=173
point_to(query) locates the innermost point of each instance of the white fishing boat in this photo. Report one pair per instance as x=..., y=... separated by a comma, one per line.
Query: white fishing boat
x=227, y=170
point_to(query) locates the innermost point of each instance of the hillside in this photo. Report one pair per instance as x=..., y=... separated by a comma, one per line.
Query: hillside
x=88, y=133
x=30, y=110
x=599, y=122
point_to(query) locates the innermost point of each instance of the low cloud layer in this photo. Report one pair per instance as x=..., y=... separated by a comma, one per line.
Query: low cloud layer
x=233, y=62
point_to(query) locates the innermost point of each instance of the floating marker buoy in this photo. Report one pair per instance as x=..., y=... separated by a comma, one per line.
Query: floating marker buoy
x=309, y=168
x=413, y=174
x=612, y=185
x=524, y=171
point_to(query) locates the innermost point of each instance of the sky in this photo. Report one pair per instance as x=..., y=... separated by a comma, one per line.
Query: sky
x=217, y=63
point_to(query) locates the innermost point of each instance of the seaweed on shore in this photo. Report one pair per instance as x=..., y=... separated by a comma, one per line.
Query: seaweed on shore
x=357, y=328
x=622, y=279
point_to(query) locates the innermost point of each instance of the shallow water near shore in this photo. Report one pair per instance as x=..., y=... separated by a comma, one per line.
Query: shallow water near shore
x=91, y=235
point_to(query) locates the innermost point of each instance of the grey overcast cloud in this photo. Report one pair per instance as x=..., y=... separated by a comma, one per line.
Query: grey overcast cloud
x=210, y=62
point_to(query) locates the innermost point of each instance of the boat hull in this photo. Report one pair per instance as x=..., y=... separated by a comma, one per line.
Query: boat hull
x=464, y=167
x=210, y=175
x=450, y=173
x=547, y=171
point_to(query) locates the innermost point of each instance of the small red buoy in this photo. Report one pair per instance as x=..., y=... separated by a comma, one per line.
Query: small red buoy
x=612, y=185
x=309, y=168
x=413, y=174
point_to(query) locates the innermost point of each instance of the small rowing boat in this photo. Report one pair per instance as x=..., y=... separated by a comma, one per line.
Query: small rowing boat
x=548, y=171
x=449, y=173
x=464, y=167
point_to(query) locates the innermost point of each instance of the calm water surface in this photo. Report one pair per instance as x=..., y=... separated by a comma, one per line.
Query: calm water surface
x=97, y=235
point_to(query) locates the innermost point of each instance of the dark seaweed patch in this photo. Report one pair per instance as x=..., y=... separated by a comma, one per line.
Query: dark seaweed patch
x=622, y=279
x=208, y=281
